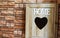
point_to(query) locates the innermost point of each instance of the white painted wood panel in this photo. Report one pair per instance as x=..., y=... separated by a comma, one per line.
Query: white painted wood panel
x=32, y=31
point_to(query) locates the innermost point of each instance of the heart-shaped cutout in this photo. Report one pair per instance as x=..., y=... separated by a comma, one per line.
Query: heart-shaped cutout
x=41, y=22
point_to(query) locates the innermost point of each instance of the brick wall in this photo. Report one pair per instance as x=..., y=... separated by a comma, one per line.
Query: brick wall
x=12, y=19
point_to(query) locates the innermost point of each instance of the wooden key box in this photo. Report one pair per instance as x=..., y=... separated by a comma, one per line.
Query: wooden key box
x=28, y=19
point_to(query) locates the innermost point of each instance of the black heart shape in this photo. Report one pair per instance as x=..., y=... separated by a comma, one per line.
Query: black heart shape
x=41, y=22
